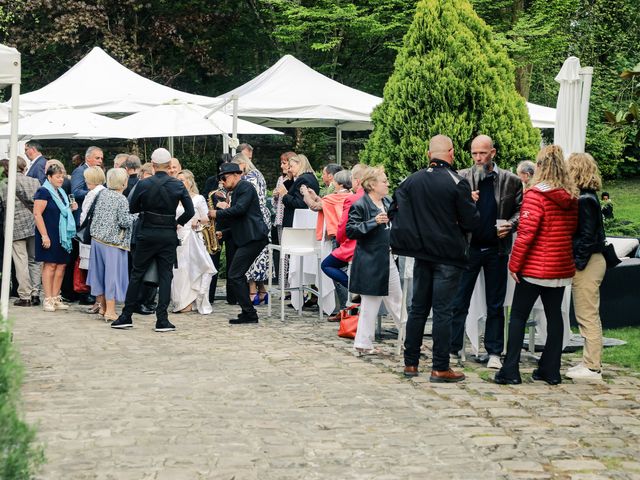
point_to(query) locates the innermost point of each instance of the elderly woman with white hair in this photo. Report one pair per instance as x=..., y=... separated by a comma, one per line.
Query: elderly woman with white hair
x=110, y=241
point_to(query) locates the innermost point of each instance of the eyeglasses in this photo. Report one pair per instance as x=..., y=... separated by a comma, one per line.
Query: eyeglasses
x=223, y=178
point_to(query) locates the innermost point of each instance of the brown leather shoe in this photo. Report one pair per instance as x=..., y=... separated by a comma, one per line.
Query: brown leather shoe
x=411, y=371
x=334, y=318
x=446, y=376
x=21, y=302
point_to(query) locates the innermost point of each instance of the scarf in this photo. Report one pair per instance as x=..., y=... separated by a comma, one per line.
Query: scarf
x=67, y=224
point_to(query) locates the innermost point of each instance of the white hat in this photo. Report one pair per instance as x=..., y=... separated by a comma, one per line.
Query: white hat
x=160, y=155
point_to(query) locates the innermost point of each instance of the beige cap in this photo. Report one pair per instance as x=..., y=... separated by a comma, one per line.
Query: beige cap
x=160, y=155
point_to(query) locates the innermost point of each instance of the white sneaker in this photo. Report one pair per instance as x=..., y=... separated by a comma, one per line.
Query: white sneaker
x=494, y=362
x=583, y=373
x=49, y=305
x=58, y=304
x=575, y=367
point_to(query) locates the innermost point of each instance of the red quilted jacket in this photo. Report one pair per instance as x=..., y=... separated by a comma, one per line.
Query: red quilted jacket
x=543, y=248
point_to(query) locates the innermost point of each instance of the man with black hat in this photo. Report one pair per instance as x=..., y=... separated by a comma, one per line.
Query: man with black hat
x=249, y=233
x=156, y=199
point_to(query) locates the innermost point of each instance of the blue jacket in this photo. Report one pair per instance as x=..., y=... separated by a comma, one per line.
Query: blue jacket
x=79, y=189
x=37, y=169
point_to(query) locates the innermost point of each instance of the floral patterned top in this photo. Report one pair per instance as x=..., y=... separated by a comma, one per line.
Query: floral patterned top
x=112, y=221
x=257, y=180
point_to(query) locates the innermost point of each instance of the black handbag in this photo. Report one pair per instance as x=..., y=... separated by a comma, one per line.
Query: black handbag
x=610, y=256
x=83, y=234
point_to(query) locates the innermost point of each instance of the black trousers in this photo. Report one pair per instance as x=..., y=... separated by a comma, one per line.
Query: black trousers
x=146, y=294
x=495, y=275
x=236, y=275
x=66, y=289
x=433, y=284
x=215, y=258
x=524, y=296
x=159, y=244
x=230, y=251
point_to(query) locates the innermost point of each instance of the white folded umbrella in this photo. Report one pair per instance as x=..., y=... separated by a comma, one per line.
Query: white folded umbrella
x=569, y=132
x=177, y=120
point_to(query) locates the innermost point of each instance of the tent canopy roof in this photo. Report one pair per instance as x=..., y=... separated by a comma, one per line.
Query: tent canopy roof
x=291, y=94
x=100, y=84
x=53, y=124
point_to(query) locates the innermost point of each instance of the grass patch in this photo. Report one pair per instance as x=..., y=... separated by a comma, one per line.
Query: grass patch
x=623, y=355
x=625, y=195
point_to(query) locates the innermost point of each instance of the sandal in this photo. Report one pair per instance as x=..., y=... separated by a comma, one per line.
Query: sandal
x=95, y=308
x=364, y=352
x=110, y=318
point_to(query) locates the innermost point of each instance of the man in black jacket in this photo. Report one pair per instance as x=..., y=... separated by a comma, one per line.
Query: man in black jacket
x=498, y=195
x=432, y=211
x=249, y=233
x=156, y=198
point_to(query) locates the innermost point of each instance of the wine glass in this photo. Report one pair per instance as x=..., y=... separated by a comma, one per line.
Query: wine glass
x=383, y=210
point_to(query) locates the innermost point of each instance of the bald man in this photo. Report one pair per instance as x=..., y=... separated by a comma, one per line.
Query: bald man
x=431, y=213
x=498, y=196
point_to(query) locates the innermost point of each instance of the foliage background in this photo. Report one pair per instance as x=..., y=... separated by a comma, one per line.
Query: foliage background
x=210, y=47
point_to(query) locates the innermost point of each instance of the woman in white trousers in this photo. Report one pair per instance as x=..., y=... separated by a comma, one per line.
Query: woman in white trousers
x=374, y=274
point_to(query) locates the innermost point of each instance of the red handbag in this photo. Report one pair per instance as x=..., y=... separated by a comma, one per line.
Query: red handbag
x=80, y=279
x=349, y=321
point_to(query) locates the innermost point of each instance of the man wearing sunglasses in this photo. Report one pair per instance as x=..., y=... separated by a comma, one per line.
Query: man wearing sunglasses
x=246, y=229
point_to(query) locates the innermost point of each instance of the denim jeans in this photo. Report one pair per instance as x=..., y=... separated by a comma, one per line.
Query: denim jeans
x=432, y=287
x=495, y=276
x=524, y=296
x=333, y=268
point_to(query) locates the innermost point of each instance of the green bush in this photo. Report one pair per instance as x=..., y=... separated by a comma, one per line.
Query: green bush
x=19, y=457
x=621, y=228
x=450, y=77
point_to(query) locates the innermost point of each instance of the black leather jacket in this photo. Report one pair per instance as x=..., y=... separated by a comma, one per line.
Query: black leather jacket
x=589, y=237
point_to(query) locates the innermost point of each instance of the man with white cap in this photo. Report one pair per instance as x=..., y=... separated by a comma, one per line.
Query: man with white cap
x=156, y=199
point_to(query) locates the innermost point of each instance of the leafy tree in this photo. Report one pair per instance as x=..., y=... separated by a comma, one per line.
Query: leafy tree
x=450, y=77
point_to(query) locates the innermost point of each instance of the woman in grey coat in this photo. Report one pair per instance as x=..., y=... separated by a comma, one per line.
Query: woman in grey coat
x=374, y=274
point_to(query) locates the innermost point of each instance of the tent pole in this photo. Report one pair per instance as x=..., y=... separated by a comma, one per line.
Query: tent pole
x=339, y=145
x=234, y=133
x=225, y=143
x=11, y=204
x=587, y=75
x=170, y=145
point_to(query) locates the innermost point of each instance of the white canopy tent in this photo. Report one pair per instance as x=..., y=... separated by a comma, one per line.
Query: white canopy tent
x=10, y=70
x=541, y=117
x=54, y=124
x=291, y=94
x=99, y=84
x=174, y=120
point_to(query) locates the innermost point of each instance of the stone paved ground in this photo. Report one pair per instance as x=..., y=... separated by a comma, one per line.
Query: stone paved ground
x=289, y=400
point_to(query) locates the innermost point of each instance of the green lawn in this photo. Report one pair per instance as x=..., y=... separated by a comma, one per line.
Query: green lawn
x=625, y=195
x=624, y=355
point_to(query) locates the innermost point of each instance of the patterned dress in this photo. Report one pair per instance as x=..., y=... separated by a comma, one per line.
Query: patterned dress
x=258, y=271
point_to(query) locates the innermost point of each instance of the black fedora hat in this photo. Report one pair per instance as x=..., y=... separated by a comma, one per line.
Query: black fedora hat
x=227, y=168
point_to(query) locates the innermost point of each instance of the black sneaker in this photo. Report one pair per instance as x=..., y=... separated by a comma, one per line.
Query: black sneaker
x=165, y=326
x=122, y=322
x=241, y=319
x=35, y=301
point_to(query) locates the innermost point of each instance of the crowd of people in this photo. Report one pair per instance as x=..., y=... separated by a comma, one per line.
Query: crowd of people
x=143, y=234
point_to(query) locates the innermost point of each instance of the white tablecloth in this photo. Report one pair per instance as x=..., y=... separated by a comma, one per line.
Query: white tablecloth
x=478, y=313
x=305, y=218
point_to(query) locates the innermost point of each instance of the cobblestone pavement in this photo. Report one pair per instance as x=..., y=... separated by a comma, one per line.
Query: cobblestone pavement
x=289, y=400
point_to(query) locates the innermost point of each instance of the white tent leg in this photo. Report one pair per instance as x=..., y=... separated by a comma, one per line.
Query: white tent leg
x=234, y=133
x=587, y=75
x=11, y=204
x=170, y=145
x=338, y=145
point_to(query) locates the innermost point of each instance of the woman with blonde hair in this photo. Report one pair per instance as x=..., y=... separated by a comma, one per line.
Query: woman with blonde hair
x=588, y=244
x=542, y=263
x=110, y=231
x=303, y=174
x=374, y=274
x=191, y=280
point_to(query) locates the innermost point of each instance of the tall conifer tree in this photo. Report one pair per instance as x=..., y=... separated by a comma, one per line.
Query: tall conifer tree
x=450, y=77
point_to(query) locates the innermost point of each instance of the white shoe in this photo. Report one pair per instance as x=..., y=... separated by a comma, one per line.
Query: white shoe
x=58, y=304
x=49, y=305
x=494, y=362
x=575, y=367
x=583, y=373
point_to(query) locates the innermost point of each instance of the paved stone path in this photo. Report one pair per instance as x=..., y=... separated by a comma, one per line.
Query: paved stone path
x=289, y=401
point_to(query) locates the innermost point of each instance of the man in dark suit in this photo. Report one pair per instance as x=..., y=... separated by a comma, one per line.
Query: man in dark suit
x=36, y=168
x=92, y=158
x=249, y=233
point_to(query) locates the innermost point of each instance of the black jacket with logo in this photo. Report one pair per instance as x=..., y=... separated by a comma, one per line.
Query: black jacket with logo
x=432, y=213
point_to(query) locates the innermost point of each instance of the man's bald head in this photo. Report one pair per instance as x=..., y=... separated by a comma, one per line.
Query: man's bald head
x=483, y=151
x=441, y=147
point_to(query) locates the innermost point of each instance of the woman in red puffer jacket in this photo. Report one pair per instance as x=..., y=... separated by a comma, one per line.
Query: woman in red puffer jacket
x=542, y=263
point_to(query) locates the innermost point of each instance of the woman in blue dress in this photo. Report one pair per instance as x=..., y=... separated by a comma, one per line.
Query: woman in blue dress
x=55, y=228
